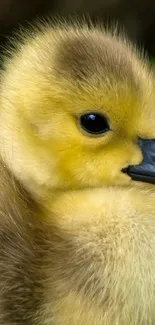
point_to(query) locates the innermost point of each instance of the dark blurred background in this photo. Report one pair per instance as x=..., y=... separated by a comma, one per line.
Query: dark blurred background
x=136, y=16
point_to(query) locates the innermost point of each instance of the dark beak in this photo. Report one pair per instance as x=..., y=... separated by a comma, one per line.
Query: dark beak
x=145, y=172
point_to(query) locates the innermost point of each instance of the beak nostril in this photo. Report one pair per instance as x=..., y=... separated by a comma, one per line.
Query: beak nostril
x=125, y=170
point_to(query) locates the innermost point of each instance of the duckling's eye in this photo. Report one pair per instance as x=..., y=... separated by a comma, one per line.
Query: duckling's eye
x=94, y=123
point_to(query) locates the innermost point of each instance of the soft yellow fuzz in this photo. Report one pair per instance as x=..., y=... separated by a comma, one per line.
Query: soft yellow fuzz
x=105, y=275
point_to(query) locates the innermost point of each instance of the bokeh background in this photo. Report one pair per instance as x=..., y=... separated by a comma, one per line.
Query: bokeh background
x=136, y=16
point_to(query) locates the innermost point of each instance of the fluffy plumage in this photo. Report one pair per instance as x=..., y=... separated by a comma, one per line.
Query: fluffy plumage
x=85, y=255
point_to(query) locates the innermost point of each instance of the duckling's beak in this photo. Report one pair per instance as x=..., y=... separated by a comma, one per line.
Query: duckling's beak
x=145, y=172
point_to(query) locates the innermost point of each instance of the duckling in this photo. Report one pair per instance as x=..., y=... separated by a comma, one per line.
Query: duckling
x=77, y=132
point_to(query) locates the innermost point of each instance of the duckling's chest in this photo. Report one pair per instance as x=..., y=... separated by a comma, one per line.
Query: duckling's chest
x=73, y=311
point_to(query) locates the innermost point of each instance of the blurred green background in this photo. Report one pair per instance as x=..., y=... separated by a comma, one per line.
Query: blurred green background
x=136, y=16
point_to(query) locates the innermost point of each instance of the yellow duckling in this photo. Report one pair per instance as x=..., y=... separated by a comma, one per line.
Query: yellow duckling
x=77, y=131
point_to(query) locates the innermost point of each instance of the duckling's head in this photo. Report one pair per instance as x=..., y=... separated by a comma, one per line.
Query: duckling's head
x=74, y=102
x=78, y=108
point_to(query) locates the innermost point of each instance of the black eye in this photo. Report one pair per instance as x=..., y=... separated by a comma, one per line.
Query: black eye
x=94, y=123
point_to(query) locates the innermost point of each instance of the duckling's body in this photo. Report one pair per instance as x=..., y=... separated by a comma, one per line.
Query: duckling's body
x=91, y=261
x=85, y=254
